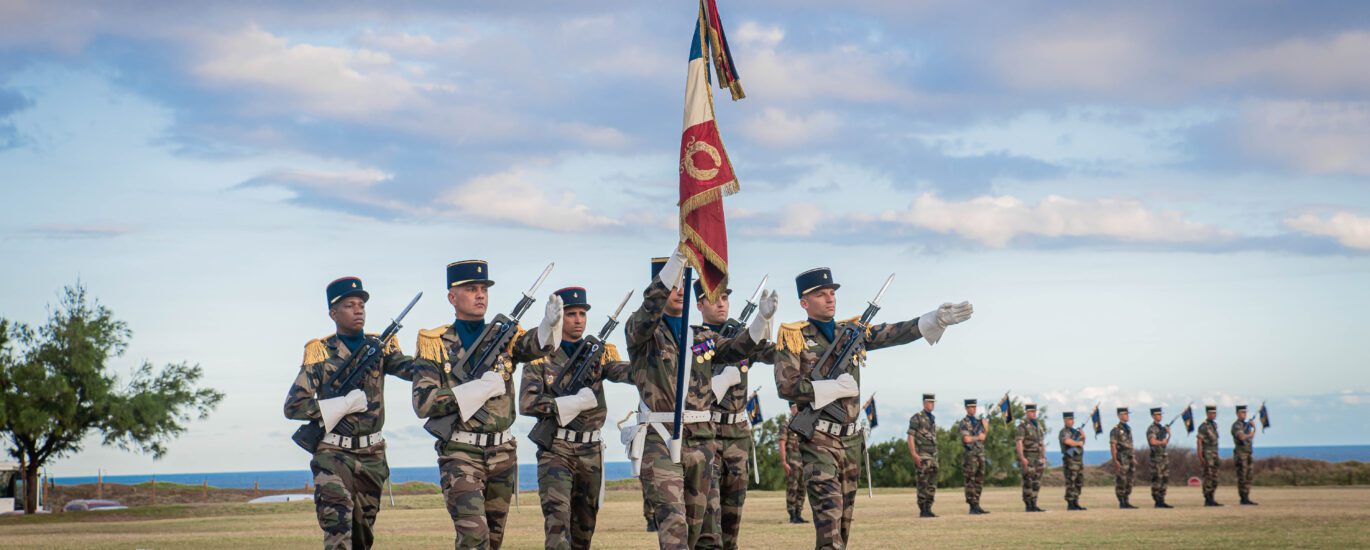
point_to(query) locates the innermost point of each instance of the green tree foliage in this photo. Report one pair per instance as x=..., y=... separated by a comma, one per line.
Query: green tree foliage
x=57, y=387
x=768, y=438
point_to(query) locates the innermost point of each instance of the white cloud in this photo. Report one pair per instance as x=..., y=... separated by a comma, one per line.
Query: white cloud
x=511, y=195
x=799, y=219
x=346, y=180
x=752, y=33
x=1335, y=64
x=1350, y=230
x=845, y=72
x=1315, y=137
x=773, y=127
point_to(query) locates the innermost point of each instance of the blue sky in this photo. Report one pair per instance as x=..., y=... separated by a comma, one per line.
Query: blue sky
x=1148, y=205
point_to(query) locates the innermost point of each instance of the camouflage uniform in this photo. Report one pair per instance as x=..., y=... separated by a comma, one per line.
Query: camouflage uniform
x=347, y=482
x=1208, y=440
x=1160, y=461
x=679, y=493
x=570, y=473
x=1072, y=464
x=1241, y=458
x=923, y=428
x=794, y=481
x=1121, y=439
x=972, y=458
x=728, y=486
x=478, y=480
x=1030, y=433
x=832, y=463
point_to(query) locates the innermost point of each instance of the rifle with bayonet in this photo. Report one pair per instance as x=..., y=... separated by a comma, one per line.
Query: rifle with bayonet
x=576, y=374
x=734, y=326
x=836, y=361
x=482, y=356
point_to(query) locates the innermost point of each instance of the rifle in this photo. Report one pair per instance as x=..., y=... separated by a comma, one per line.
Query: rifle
x=734, y=326
x=576, y=374
x=309, y=435
x=481, y=357
x=835, y=362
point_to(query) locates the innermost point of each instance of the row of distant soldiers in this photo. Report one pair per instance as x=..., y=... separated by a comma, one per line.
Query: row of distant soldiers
x=695, y=491
x=1029, y=441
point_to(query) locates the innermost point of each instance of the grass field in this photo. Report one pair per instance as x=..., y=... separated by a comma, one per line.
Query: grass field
x=1323, y=517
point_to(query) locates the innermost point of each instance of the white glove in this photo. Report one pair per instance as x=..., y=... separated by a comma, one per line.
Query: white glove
x=335, y=408
x=570, y=406
x=760, y=327
x=726, y=379
x=670, y=273
x=933, y=323
x=472, y=395
x=827, y=391
x=549, y=332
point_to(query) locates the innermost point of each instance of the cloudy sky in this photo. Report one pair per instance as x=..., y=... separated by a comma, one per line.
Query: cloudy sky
x=1157, y=204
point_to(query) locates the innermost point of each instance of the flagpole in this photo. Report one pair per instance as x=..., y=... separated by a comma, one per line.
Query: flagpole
x=866, y=450
x=756, y=470
x=683, y=344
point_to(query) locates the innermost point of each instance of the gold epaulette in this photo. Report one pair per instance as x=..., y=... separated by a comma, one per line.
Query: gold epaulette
x=430, y=346
x=539, y=361
x=518, y=333
x=855, y=320
x=791, y=337
x=390, y=346
x=610, y=354
x=315, y=351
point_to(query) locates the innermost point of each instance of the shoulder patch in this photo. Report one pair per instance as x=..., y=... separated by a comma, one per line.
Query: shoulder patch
x=610, y=354
x=315, y=351
x=430, y=346
x=791, y=337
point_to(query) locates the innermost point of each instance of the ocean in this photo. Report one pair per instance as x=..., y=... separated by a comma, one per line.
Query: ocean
x=286, y=479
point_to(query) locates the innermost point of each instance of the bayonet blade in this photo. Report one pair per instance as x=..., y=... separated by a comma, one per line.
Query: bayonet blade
x=883, y=288
x=621, y=304
x=756, y=296
x=400, y=317
x=533, y=290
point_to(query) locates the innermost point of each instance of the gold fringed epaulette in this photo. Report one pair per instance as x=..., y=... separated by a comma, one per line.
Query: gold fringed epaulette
x=430, y=346
x=392, y=345
x=791, y=337
x=610, y=354
x=517, y=334
x=315, y=351
x=855, y=320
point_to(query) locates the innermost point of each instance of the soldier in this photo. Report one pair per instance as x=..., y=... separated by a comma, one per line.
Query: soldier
x=794, y=471
x=972, y=431
x=349, y=464
x=1158, y=437
x=571, y=471
x=1120, y=447
x=732, y=429
x=923, y=447
x=1242, y=434
x=832, y=456
x=1028, y=438
x=478, y=463
x=1208, y=454
x=1072, y=460
x=679, y=491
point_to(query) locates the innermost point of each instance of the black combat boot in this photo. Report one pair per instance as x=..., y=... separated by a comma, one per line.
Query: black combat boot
x=1035, y=507
x=980, y=510
x=1160, y=503
x=928, y=511
x=1126, y=505
x=651, y=525
x=1078, y=507
x=1211, y=502
x=796, y=517
x=1246, y=501
x=1028, y=507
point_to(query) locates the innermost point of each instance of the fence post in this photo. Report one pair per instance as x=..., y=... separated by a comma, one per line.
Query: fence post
x=204, y=490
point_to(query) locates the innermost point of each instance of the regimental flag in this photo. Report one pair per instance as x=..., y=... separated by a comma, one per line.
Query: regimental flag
x=869, y=409
x=754, y=409
x=706, y=174
x=1264, y=416
x=1006, y=409
x=718, y=45
x=1096, y=420
x=1188, y=417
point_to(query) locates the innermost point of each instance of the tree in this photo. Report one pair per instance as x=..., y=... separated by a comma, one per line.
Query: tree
x=768, y=455
x=59, y=386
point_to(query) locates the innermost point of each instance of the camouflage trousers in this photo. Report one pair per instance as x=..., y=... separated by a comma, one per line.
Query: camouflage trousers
x=1210, y=475
x=1074, y=470
x=1160, y=477
x=973, y=469
x=347, y=495
x=647, y=512
x=727, y=492
x=678, y=493
x=1122, y=479
x=569, y=487
x=833, y=473
x=1245, y=470
x=794, y=483
x=927, y=481
x=477, y=486
x=1032, y=478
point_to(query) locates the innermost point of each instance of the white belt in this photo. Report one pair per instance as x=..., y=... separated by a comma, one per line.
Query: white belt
x=635, y=438
x=483, y=439
x=835, y=429
x=728, y=418
x=358, y=442
x=577, y=437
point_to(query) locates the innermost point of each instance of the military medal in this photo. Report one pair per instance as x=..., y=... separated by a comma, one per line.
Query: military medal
x=744, y=366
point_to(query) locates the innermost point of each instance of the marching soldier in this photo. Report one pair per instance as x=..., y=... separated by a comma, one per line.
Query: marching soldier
x=794, y=471
x=678, y=491
x=1242, y=434
x=1158, y=437
x=1028, y=438
x=1072, y=460
x=832, y=456
x=571, y=471
x=1120, y=447
x=1208, y=454
x=923, y=447
x=972, y=431
x=349, y=464
x=478, y=463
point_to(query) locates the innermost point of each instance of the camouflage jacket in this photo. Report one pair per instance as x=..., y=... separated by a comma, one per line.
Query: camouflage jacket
x=1074, y=454
x=438, y=350
x=652, y=352
x=1031, y=434
x=322, y=358
x=791, y=444
x=1121, y=439
x=799, y=347
x=972, y=426
x=923, y=428
x=1240, y=445
x=536, y=401
x=1160, y=432
x=1208, y=438
x=735, y=401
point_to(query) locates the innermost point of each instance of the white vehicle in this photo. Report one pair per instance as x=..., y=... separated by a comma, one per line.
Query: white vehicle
x=9, y=486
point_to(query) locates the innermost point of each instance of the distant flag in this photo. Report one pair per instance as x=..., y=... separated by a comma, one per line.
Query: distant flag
x=718, y=46
x=754, y=409
x=1096, y=420
x=1264, y=416
x=869, y=409
x=1188, y=417
x=1006, y=408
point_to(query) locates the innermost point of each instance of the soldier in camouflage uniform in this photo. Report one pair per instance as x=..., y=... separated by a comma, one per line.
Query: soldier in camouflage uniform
x=479, y=463
x=923, y=447
x=1208, y=455
x=1029, y=438
x=972, y=431
x=678, y=491
x=794, y=471
x=1072, y=460
x=571, y=471
x=832, y=457
x=1158, y=438
x=1124, y=463
x=349, y=464
x=1242, y=434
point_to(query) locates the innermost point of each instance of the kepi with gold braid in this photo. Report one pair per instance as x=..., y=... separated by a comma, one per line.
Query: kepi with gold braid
x=468, y=272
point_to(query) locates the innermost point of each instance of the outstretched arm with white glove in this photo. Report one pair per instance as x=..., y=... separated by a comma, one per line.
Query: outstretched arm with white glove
x=472, y=395
x=549, y=332
x=827, y=391
x=762, y=327
x=333, y=409
x=570, y=406
x=933, y=323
